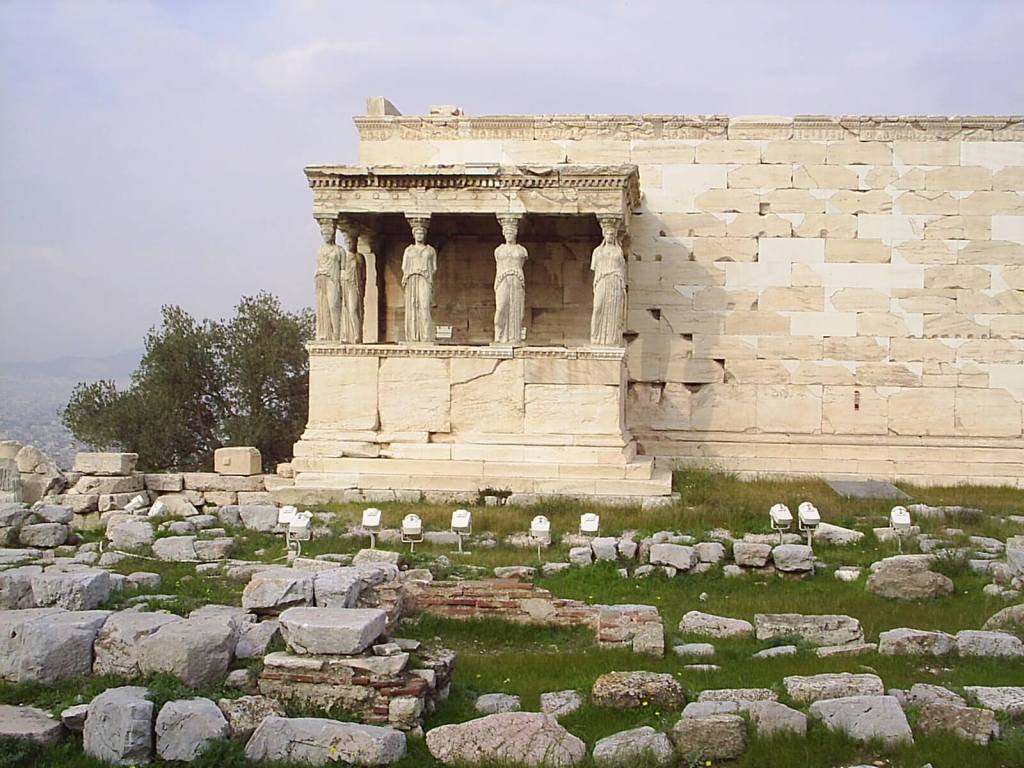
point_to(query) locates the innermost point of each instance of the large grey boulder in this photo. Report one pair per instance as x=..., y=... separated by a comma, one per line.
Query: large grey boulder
x=771, y=718
x=184, y=728
x=865, y=718
x=709, y=625
x=337, y=587
x=793, y=558
x=977, y=725
x=677, y=556
x=198, y=651
x=520, y=738
x=975, y=642
x=915, y=642
x=43, y=535
x=314, y=741
x=245, y=713
x=16, y=587
x=710, y=551
x=29, y=724
x=76, y=590
x=832, y=685
x=331, y=630
x=711, y=737
x=117, y=644
x=53, y=513
x=13, y=514
x=823, y=629
x=273, y=590
x=644, y=745
x=46, y=645
x=119, y=726
x=130, y=534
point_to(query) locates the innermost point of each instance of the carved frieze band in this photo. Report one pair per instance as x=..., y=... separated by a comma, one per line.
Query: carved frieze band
x=328, y=349
x=863, y=127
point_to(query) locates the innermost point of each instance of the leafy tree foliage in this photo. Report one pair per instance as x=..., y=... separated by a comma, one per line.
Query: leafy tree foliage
x=200, y=385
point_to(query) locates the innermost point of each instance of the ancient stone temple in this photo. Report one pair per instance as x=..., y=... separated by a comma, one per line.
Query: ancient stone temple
x=544, y=304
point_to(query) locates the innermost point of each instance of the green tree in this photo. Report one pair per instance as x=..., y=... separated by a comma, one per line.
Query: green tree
x=266, y=372
x=204, y=384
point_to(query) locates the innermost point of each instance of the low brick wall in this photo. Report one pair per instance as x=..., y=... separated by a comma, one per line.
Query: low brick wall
x=615, y=626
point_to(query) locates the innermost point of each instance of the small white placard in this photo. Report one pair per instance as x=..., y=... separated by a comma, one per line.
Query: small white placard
x=442, y=332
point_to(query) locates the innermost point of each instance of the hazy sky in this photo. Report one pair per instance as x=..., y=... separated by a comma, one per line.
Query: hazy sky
x=152, y=152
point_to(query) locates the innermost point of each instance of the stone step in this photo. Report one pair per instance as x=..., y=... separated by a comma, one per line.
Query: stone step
x=659, y=484
x=640, y=468
x=424, y=457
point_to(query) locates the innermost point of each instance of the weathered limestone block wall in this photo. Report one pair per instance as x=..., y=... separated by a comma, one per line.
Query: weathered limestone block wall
x=807, y=295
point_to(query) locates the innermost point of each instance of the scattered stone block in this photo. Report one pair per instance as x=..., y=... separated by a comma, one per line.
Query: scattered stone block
x=519, y=738
x=898, y=583
x=255, y=637
x=582, y=556
x=630, y=690
x=43, y=535
x=29, y=724
x=973, y=642
x=185, y=727
x=165, y=482
x=119, y=726
x=315, y=741
x=698, y=623
x=175, y=549
x=779, y=650
x=116, y=651
x=865, y=718
x=560, y=703
x=494, y=703
x=915, y=642
x=644, y=745
x=198, y=651
x=793, y=558
x=822, y=629
x=243, y=461
x=694, y=649
x=678, y=556
x=520, y=572
x=371, y=556
x=1001, y=698
x=277, y=588
x=331, y=630
x=107, y=464
x=73, y=718
x=1008, y=618
x=750, y=554
x=245, y=713
x=714, y=737
x=130, y=534
x=77, y=590
x=827, y=533
x=16, y=587
x=605, y=548
x=741, y=695
x=832, y=685
x=977, y=725
x=771, y=718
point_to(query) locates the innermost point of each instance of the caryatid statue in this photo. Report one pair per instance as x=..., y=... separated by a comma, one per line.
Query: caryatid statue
x=419, y=263
x=609, y=266
x=352, y=279
x=509, y=284
x=328, y=283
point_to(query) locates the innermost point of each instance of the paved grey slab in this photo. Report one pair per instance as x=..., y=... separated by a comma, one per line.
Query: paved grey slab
x=866, y=489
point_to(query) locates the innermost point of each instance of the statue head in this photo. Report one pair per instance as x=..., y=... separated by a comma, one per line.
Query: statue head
x=509, y=228
x=610, y=230
x=419, y=234
x=327, y=229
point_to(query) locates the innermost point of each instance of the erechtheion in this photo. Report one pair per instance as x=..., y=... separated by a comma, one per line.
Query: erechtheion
x=571, y=304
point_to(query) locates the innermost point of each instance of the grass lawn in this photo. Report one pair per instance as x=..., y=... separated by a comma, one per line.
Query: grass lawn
x=495, y=656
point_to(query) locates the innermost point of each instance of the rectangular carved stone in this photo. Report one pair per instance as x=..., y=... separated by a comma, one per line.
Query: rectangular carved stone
x=415, y=394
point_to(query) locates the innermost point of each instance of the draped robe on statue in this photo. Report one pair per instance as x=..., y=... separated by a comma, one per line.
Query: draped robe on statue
x=419, y=262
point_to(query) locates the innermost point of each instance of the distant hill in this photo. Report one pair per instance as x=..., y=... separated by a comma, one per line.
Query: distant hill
x=118, y=367
x=33, y=394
